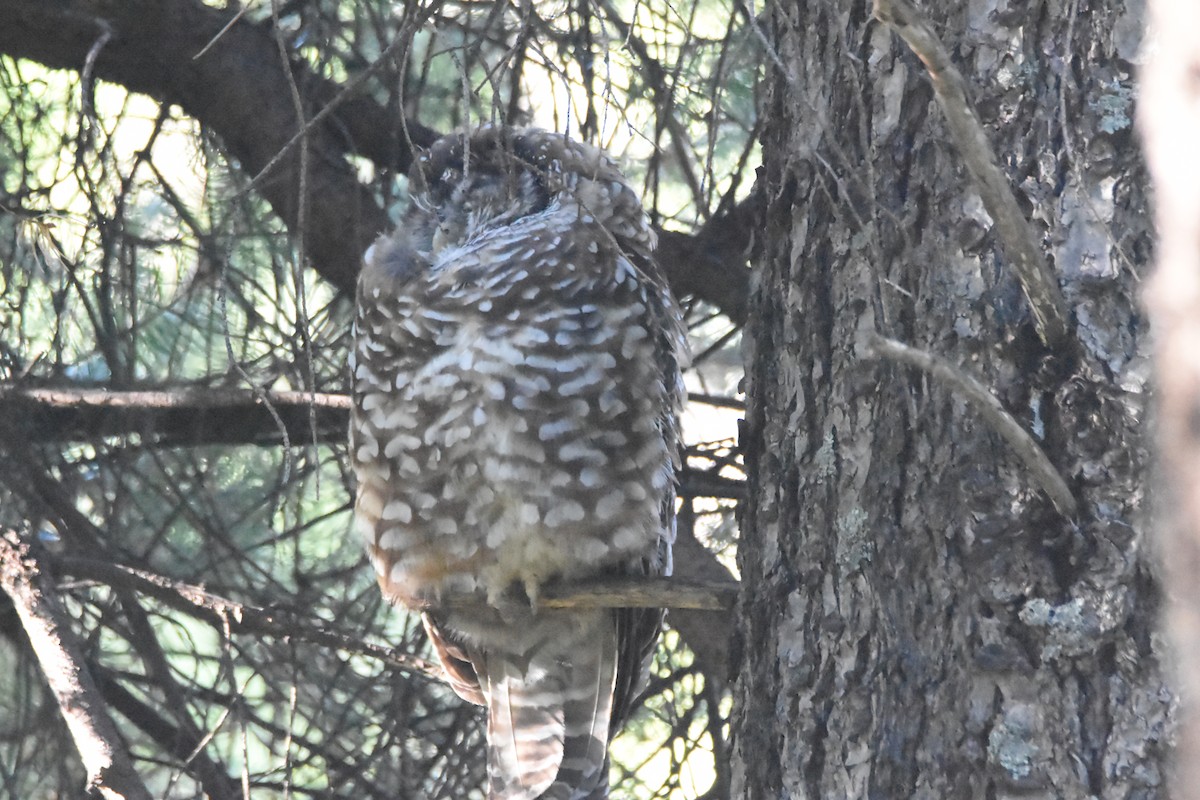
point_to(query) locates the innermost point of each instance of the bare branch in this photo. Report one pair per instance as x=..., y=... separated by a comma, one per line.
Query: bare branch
x=1037, y=278
x=1023, y=444
x=643, y=593
x=175, y=416
x=109, y=768
x=237, y=617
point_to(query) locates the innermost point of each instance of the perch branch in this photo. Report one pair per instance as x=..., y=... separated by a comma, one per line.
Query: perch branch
x=110, y=771
x=1022, y=443
x=643, y=593
x=1034, y=272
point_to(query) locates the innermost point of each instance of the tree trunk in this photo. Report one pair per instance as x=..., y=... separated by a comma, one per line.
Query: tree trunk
x=920, y=620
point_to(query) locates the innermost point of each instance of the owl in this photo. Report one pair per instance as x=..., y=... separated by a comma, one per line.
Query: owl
x=516, y=380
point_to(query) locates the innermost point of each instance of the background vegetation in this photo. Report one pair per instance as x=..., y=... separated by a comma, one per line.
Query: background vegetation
x=172, y=348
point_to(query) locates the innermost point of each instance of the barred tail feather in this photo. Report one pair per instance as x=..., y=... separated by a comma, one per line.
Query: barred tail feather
x=549, y=708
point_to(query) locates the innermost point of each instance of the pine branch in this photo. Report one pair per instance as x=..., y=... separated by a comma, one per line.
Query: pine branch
x=1034, y=272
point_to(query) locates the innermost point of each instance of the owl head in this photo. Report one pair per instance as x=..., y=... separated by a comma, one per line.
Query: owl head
x=470, y=183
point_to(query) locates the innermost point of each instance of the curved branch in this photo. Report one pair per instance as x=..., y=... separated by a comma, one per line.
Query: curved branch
x=1034, y=272
x=60, y=657
x=1021, y=441
x=226, y=72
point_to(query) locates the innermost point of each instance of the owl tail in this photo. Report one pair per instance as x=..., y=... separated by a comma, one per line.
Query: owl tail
x=549, y=708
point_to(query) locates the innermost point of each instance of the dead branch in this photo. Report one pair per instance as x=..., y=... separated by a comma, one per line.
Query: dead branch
x=643, y=593
x=1034, y=272
x=60, y=657
x=176, y=416
x=224, y=614
x=994, y=413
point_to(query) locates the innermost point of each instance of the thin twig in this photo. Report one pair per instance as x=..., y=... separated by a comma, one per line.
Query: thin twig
x=234, y=616
x=403, y=39
x=1034, y=272
x=232, y=21
x=110, y=770
x=1021, y=441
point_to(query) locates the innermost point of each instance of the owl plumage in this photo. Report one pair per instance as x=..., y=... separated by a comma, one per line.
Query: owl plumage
x=516, y=394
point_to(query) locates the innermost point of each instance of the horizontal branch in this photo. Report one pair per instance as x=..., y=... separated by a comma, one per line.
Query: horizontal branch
x=702, y=483
x=643, y=593
x=177, y=416
x=993, y=411
x=196, y=416
x=1033, y=270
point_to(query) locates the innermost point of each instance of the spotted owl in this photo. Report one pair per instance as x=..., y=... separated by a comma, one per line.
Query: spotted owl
x=516, y=393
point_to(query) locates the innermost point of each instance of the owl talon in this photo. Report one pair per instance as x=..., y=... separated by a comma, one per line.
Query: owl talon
x=512, y=603
x=531, y=591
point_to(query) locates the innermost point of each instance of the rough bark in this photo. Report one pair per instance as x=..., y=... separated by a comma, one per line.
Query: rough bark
x=919, y=620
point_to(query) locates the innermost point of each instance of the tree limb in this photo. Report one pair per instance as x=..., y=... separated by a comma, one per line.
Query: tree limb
x=60, y=657
x=195, y=416
x=176, y=416
x=1022, y=443
x=1034, y=272
x=711, y=263
x=226, y=72
x=230, y=78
